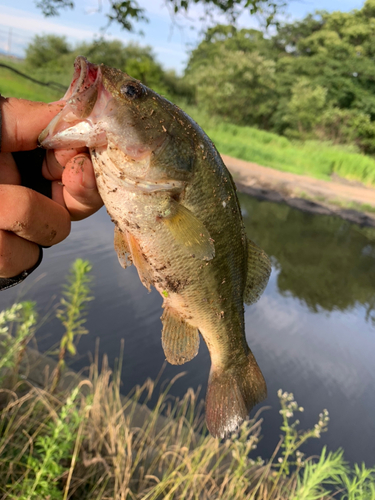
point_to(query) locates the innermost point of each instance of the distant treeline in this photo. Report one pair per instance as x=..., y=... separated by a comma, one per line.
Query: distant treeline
x=313, y=79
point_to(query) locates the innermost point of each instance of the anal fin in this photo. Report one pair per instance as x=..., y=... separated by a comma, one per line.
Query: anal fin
x=180, y=340
x=258, y=273
x=122, y=248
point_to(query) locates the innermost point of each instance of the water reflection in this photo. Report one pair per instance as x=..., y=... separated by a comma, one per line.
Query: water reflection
x=324, y=261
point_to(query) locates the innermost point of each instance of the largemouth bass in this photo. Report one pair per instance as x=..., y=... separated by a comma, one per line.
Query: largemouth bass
x=178, y=220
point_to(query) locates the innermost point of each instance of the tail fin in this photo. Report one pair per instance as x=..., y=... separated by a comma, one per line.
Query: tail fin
x=231, y=394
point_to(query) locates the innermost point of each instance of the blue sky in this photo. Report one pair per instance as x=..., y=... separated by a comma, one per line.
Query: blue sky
x=20, y=21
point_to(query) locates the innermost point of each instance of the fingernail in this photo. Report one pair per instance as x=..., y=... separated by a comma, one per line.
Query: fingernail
x=51, y=158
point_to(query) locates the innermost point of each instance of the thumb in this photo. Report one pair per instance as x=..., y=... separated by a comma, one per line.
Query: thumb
x=22, y=122
x=80, y=192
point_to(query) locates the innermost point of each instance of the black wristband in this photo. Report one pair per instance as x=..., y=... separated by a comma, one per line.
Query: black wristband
x=6, y=283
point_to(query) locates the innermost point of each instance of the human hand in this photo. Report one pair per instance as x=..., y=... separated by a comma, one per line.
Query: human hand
x=27, y=218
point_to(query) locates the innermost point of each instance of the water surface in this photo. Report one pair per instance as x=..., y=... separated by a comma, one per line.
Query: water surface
x=312, y=332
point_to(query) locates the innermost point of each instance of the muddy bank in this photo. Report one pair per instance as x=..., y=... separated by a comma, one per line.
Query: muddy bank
x=302, y=192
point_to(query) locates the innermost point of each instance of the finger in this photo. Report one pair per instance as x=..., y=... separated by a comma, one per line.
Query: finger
x=80, y=191
x=32, y=216
x=9, y=173
x=55, y=161
x=16, y=254
x=22, y=122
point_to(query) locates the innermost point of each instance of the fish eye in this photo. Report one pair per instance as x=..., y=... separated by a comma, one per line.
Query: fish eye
x=131, y=90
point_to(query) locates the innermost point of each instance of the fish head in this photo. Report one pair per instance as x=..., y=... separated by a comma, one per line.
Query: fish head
x=109, y=110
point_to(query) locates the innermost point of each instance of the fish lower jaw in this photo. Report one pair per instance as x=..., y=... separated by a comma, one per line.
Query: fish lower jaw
x=135, y=185
x=117, y=178
x=152, y=186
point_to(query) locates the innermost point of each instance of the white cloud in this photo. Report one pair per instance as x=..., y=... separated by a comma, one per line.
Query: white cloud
x=35, y=24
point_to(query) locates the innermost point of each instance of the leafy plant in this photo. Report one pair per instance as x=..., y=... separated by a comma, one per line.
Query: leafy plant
x=73, y=308
x=52, y=447
x=20, y=317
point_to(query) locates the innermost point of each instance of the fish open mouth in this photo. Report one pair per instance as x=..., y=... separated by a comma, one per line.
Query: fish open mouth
x=74, y=124
x=85, y=76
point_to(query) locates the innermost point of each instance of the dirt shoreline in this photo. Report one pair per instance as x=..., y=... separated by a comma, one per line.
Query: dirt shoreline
x=302, y=192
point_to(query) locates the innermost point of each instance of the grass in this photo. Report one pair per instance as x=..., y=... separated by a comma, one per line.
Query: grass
x=13, y=85
x=313, y=158
x=86, y=441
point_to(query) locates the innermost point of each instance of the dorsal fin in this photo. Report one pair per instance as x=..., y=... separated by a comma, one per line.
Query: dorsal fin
x=258, y=273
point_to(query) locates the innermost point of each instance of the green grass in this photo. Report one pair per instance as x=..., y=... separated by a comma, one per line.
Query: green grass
x=313, y=158
x=13, y=85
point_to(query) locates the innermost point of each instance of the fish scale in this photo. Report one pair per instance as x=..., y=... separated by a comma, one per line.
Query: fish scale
x=178, y=220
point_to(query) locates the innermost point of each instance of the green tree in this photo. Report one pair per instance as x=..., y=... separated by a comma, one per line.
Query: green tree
x=335, y=51
x=231, y=39
x=305, y=107
x=237, y=86
x=46, y=49
x=347, y=126
x=233, y=72
x=51, y=54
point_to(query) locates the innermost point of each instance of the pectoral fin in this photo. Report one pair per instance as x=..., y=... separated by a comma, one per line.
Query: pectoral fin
x=180, y=340
x=189, y=232
x=258, y=273
x=122, y=248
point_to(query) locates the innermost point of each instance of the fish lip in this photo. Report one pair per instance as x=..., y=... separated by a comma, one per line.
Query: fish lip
x=84, y=71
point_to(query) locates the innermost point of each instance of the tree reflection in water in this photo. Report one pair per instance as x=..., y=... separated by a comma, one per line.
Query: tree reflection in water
x=325, y=262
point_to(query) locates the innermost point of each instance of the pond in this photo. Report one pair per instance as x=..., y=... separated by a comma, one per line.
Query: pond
x=312, y=332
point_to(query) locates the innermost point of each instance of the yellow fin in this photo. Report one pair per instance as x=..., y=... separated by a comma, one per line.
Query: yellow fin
x=122, y=248
x=140, y=262
x=190, y=232
x=258, y=273
x=180, y=340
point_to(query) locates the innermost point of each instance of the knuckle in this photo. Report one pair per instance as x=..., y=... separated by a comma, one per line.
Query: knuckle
x=16, y=207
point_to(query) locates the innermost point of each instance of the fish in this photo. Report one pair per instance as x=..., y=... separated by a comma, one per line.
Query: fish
x=178, y=221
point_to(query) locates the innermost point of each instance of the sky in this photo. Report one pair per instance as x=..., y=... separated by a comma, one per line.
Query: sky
x=171, y=41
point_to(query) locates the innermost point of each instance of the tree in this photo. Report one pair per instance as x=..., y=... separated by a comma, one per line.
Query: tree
x=126, y=12
x=46, y=49
x=231, y=39
x=237, y=85
x=305, y=107
x=335, y=51
x=51, y=54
